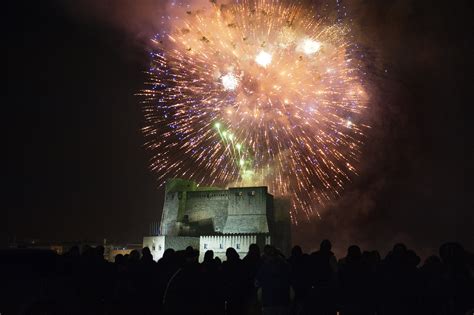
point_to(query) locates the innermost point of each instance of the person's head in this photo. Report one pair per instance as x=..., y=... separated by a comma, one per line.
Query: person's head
x=231, y=254
x=146, y=251
x=208, y=256
x=353, y=252
x=296, y=251
x=399, y=249
x=325, y=246
x=269, y=251
x=169, y=253
x=190, y=255
x=254, y=250
x=146, y=254
x=118, y=259
x=134, y=256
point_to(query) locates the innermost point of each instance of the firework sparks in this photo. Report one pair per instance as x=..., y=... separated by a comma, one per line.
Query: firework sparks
x=257, y=93
x=309, y=46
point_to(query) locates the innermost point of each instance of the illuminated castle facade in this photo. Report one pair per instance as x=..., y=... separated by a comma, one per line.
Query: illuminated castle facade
x=210, y=218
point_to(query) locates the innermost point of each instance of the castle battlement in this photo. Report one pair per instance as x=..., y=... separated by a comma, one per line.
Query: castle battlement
x=213, y=194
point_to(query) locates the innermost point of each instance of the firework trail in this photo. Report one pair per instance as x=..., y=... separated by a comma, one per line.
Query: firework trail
x=257, y=93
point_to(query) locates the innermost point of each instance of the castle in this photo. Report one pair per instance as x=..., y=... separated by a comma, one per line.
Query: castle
x=211, y=218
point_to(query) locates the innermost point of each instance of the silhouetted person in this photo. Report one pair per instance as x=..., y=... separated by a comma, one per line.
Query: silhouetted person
x=400, y=281
x=118, y=259
x=432, y=285
x=273, y=278
x=323, y=268
x=182, y=293
x=300, y=278
x=211, y=285
x=210, y=264
x=355, y=282
x=85, y=283
x=166, y=266
x=134, y=257
x=252, y=261
x=458, y=279
x=233, y=281
x=251, y=264
x=208, y=256
x=147, y=283
x=147, y=257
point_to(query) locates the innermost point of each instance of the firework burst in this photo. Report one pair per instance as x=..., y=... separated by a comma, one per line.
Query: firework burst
x=257, y=93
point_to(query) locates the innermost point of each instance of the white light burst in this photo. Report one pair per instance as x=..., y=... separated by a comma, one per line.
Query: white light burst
x=263, y=59
x=230, y=81
x=309, y=46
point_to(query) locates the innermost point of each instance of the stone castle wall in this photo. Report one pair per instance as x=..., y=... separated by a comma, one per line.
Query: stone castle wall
x=208, y=205
x=240, y=210
x=247, y=212
x=209, y=218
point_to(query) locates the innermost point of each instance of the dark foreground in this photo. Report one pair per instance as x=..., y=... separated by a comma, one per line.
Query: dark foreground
x=41, y=282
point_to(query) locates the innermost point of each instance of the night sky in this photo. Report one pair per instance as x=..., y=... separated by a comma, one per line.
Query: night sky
x=76, y=165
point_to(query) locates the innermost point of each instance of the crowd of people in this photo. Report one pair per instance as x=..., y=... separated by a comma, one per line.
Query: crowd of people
x=362, y=282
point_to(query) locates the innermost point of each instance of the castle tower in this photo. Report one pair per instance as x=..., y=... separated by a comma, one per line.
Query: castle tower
x=247, y=211
x=211, y=218
x=173, y=207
